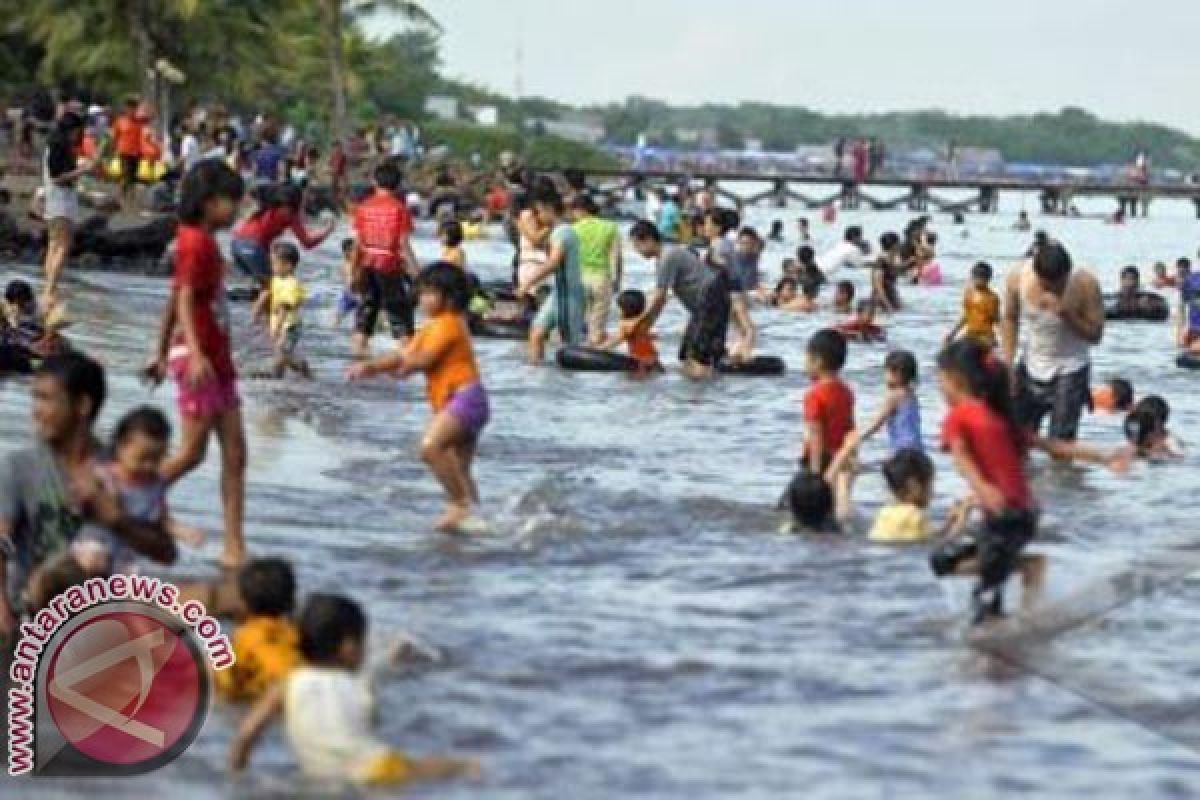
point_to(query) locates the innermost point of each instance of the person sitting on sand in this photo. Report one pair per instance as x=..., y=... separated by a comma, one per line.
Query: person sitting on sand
x=328, y=708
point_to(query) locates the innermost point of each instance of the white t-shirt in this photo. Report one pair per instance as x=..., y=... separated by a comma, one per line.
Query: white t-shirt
x=843, y=254
x=189, y=151
x=329, y=719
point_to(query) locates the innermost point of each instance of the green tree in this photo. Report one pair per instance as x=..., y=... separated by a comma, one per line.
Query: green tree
x=339, y=15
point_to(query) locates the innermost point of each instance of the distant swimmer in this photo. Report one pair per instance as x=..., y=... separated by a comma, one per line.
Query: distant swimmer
x=852, y=251
x=1023, y=224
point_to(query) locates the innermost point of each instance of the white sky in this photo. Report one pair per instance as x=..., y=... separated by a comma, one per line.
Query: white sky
x=1122, y=60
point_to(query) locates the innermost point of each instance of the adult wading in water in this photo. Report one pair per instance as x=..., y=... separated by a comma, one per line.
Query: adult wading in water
x=1058, y=311
x=60, y=171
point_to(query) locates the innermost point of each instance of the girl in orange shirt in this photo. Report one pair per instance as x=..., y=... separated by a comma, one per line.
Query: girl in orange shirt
x=442, y=350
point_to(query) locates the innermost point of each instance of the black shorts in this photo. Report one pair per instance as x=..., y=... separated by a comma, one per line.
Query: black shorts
x=391, y=295
x=1063, y=398
x=708, y=327
x=997, y=547
x=129, y=169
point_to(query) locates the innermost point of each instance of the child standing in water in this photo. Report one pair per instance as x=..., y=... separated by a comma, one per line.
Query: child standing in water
x=284, y=298
x=828, y=404
x=329, y=711
x=981, y=308
x=901, y=412
x=348, y=300
x=442, y=350
x=988, y=449
x=632, y=331
x=196, y=329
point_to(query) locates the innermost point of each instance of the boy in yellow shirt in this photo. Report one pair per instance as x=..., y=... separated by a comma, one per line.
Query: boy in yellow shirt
x=267, y=643
x=284, y=298
x=981, y=308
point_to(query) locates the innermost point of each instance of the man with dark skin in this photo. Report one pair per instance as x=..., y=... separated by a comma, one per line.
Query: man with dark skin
x=1058, y=310
x=50, y=490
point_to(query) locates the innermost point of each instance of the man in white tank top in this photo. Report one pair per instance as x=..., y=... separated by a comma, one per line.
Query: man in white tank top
x=1058, y=314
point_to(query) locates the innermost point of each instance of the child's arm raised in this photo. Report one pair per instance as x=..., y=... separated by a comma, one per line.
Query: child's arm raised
x=268, y=707
x=891, y=402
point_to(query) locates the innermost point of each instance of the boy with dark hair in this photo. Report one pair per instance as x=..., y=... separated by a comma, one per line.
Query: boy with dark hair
x=328, y=708
x=267, y=643
x=384, y=263
x=829, y=403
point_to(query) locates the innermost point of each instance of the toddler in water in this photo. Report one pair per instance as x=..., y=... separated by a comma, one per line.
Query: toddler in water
x=632, y=331
x=843, y=298
x=981, y=308
x=348, y=300
x=329, y=710
x=1146, y=430
x=29, y=328
x=442, y=350
x=139, y=449
x=451, y=235
x=1113, y=397
x=285, y=297
x=862, y=327
x=266, y=643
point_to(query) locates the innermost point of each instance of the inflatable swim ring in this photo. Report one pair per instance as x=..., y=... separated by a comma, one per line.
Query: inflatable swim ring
x=577, y=358
x=1188, y=360
x=516, y=329
x=1149, y=307
x=759, y=366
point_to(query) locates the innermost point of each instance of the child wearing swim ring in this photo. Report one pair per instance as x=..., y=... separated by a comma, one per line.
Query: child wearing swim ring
x=632, y=331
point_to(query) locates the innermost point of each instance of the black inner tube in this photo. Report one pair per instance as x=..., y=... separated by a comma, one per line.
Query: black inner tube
x=1188, y=360
x=577, y=358
x=764, y=366
x=1147, y=306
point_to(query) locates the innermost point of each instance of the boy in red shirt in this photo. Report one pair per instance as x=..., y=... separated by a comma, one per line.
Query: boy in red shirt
x=383, y=261
x=829, y=404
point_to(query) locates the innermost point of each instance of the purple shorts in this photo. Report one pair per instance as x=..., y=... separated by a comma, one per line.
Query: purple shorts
x=469, y=405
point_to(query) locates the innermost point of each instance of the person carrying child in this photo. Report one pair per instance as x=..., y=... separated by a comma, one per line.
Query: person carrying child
x=328, y=708
x=442, y=350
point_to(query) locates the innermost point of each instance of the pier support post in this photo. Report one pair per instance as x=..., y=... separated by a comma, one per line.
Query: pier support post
x=850, y=200
x=918, y=198
x=989, y=200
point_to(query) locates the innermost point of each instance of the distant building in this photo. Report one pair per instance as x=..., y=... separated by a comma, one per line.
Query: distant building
x=442, y=106
x=576, y=126
x=487, y=116
x=753, y=145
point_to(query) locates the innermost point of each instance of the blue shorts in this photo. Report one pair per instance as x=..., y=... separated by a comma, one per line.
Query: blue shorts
x=251, y=259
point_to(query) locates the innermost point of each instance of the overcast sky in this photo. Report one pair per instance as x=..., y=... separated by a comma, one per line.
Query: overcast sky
x=1122, y=60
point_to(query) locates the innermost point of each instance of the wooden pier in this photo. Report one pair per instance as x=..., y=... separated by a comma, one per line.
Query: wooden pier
x=919, y=194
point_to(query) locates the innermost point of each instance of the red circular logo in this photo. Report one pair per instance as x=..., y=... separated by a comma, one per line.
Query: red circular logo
x=125, y=687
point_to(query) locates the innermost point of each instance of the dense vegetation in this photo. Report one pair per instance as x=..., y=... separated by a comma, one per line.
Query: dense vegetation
x=309, y=59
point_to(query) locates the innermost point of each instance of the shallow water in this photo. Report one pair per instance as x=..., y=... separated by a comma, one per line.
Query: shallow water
x=636, y=627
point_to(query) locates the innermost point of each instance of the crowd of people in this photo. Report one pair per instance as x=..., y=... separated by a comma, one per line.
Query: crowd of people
x=1017, y=363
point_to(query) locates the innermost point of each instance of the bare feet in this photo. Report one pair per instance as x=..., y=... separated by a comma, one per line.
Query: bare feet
x=452, y=519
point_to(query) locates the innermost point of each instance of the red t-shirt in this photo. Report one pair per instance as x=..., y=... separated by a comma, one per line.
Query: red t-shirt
x=127, y=136
x=198, y=266
x=989, y=440
x=383, y=225
x=263, y=229
x=830, y=404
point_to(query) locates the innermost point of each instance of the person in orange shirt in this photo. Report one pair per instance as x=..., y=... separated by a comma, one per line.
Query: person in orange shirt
x=442, y=350
x=127, y=141
x=632, y=331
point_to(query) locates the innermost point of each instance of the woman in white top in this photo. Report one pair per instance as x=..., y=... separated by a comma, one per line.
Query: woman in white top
x=61, y=168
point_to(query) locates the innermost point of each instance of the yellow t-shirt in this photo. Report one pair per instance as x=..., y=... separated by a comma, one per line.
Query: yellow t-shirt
x=287, y=296
x=900, y=522
x=266, y=650
x=981, y=310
